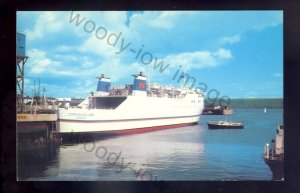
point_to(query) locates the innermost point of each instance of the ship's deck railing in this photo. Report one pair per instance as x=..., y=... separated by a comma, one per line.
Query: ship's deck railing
x=272, y=156
x=270, y=152
x=156, y=90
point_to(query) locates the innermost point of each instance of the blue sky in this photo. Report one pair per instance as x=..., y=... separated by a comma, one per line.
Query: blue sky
x=237, y=53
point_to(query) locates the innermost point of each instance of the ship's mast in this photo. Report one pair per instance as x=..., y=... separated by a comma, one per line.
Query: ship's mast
x=44, y=93
x=148, y=77
x=38, y=95
x=148, y=80
x=34, y=91
x=182, y=76
x=44, y=96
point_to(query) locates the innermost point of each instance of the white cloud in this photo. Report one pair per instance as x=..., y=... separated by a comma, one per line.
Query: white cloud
x=159, y=19
x=198, y=59
x=112, y=21
x=53, y=23
x=230, y=39
x=163, y=19
x=64, y=48
x=39, y=64
x=66, y=57
x=222, y=53
x=47, y=23
x=98, y=46
x=268, y=19
x=117, y=70
x=86, y=62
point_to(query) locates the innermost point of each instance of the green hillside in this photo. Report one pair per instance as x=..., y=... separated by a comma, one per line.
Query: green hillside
x=250, y=103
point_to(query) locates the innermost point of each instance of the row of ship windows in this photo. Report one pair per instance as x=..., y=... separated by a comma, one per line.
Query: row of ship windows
x=193, y=101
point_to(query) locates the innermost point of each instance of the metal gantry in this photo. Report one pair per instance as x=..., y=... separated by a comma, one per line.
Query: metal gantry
x=20, y=62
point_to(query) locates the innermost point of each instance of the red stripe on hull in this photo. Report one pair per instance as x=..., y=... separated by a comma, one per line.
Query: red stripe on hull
x=149, y=129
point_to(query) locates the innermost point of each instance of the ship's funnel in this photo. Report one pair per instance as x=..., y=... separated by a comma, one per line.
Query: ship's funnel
x=104, y=84
x=140, y=82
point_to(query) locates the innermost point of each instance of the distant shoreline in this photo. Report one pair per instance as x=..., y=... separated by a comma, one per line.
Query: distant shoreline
x=250, y=103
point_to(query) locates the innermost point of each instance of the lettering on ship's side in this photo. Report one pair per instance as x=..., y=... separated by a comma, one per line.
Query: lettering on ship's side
x=22, y=117
x=81, y=115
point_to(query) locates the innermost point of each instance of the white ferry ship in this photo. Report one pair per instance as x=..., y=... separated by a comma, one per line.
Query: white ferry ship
x=132, y=109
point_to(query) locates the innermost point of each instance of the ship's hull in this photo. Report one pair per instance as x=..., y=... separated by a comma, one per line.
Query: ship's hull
x=216, y=126
x=125, y=126
x=276, y=166
x=134, y=116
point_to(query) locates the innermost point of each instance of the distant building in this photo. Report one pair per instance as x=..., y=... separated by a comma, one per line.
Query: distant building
x=67, y=102
x=63, y=99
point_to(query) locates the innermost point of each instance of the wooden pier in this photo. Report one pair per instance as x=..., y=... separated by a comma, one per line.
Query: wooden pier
x=35, y=134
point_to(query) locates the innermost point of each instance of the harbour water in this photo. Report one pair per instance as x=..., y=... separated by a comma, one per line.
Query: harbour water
x=187, y=153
